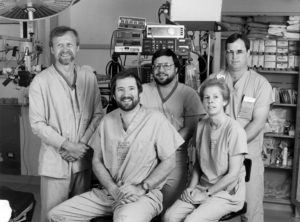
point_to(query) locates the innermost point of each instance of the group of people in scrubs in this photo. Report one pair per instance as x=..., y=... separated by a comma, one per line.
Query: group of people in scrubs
x=138, y=152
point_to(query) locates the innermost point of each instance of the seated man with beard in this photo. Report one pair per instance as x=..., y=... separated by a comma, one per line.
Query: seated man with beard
x=134, y=152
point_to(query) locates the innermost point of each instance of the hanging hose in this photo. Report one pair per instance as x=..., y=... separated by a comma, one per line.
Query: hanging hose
x=113, y=67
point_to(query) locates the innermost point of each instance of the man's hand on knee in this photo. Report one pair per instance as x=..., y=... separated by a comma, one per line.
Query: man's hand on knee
x=186, y=196
x=129, y=199
x=116, y=194
x=130, y=190
x=127, y=193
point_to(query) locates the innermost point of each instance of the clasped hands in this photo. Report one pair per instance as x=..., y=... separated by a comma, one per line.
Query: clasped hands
x=73, y=151
x=127, y=193
x=194, y=195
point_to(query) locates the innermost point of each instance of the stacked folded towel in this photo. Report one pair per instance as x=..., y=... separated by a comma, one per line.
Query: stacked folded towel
x=293, y=28
x=233, y=24
x=257, y=29
x=277, y=30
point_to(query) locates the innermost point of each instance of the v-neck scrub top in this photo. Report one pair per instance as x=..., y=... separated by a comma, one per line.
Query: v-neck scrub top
x=183, y=102
x=149, y=138
x=214, y=147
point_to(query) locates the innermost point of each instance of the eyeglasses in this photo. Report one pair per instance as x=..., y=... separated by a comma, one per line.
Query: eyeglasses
x=165, y=66
x=237, y=52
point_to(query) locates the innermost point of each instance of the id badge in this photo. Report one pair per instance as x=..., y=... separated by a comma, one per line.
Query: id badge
x=246, y=108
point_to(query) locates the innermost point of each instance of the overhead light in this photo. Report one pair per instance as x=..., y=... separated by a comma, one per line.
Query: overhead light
x=32, y=9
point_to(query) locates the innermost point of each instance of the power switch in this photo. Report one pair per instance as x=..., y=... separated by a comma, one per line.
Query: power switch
x=11, y=155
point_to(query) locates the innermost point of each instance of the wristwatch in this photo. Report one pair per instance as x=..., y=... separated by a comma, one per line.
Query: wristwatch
x=146, y=187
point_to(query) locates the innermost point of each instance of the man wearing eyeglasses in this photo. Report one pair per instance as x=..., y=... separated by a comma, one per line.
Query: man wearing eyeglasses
x=181, y=105
x=250, y=99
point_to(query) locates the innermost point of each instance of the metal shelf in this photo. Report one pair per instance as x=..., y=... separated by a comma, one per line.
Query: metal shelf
x=273, y=166
x=277, y=135
x=284, y=105
x=289, y=72
x=277, y=200
x=6, y=37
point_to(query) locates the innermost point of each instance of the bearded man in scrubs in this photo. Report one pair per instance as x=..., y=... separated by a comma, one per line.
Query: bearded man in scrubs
x=251, y=96
x=134, y=152
x=181, y=105
x=64, y=111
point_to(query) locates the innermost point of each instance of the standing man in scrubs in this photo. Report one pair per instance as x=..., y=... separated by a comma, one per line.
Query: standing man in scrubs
x=181, y=105
x=134, y=153
x=64, y=111
x=251, y=96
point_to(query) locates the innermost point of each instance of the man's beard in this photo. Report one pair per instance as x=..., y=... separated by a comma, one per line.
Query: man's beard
x=66, y=61
x=128, y=107
x=165, y=81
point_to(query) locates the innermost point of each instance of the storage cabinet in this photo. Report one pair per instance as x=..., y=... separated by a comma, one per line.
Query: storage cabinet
x=296, y=171
x=10, y=156
x=280, y=133
x=19, y=148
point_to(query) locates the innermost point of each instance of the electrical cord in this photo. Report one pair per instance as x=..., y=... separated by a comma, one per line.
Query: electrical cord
x=111, y=42
x=124, y=62
x=201, y=59
x=203, y=63
x=113, y=66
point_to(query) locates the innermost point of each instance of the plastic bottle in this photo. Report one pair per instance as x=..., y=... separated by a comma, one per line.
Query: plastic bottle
x=191, y=75
x=284, y=156
x=27, y=60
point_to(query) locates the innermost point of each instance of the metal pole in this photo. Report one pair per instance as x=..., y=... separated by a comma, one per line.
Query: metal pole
x=208, y=56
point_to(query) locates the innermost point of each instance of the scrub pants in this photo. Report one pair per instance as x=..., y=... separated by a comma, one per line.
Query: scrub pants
x=89, y=205
x=210, y=211
x=177, y=180
x=255, y=192
x=54, y=191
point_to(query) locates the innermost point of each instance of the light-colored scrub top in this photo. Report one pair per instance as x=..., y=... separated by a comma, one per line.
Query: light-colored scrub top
x=150, y=138
x=182, y=102
x=214, y=147
x=58, y=112
x=250, y=92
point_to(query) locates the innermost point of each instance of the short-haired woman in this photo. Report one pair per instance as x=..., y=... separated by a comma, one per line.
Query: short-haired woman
x=217, y=185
